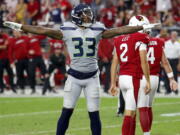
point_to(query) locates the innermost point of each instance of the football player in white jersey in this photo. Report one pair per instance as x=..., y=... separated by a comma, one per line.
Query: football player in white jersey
x=81, y=36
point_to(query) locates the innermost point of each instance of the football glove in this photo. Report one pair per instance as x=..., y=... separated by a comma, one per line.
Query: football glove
x=13, y=25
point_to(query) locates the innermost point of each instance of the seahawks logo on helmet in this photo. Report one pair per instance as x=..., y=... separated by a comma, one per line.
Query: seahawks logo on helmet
x=78, y=12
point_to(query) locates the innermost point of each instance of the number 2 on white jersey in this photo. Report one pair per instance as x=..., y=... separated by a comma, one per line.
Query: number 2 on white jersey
x=150, y=55
x=122, y=56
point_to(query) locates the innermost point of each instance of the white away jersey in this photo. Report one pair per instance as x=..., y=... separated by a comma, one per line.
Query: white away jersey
x=82, y=45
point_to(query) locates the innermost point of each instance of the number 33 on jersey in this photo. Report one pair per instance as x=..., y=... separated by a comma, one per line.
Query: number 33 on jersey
x=82, y=45
x=82, y=42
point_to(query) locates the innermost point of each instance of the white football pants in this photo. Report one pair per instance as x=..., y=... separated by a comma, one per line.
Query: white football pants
x=90, y=87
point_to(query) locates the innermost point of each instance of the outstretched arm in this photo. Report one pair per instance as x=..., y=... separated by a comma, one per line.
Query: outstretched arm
x=121, y=30
x=126, y=30
x=56, y=34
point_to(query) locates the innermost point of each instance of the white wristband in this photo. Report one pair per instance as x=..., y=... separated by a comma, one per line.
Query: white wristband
x=170, y=75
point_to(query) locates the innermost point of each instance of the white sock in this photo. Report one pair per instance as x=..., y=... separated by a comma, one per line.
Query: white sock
x=146, y=133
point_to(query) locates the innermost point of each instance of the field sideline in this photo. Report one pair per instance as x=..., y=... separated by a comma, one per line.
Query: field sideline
x=38, y=116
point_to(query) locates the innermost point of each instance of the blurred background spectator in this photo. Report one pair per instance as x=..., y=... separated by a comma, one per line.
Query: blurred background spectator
x=162, y=7
x=5, y=63
x=33, y=12
x=105, y=57
x=20, y=11
x=3, y=13
x=18, y=57
x=172, y=52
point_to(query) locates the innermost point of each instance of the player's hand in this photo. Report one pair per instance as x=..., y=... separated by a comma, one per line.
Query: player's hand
x=150, y=26
x=147, y=88
x=173, y=85
x=113, y=90
x=13, y=25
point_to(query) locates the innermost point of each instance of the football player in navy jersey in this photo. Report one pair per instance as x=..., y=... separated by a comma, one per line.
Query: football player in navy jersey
x=81, y=36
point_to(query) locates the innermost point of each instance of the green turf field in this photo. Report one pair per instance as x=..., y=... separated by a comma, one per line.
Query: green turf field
x=38, y=116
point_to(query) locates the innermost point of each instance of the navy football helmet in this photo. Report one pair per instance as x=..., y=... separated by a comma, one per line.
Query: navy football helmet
x=78, y=12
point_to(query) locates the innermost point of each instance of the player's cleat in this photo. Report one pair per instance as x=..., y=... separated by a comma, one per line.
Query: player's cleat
x=13, y=25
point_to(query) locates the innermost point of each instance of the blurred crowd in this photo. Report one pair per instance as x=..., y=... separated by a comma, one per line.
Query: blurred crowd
x=45, y=61
x=111, y=12
x=25, y=58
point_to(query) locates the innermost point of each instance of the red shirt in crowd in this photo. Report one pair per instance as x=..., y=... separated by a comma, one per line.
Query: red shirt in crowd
x=18, y=48
x=66, y=6
x=88, y=1
x=155, y=49
x=128, y=53
x=3, y=41
x=32, y=7
x=108, y=16
x=103, y=52
x=55, y=44
x=177, y=18
x=34, y=46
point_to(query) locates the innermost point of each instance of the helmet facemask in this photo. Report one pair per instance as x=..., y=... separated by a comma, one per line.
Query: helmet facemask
x=87, y=17
x=82, y=16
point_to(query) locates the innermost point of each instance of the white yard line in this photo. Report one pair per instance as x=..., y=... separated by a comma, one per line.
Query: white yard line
x=167, y=103
x=47, y=112
x=170, y=114
x=88, y=128
x=157, y=104
x=27, y=114
x=26, y=98
x=58, y=111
